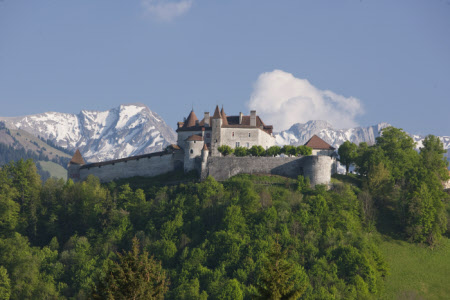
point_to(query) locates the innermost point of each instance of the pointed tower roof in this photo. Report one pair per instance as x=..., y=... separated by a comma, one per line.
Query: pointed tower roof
x=77, y=159
x=224, y=117
x=205, y=148
x=217, y=113
x=191, y=120
x=316, y=142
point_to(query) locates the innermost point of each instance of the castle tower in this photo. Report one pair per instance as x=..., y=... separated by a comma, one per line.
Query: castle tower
x=194, y=145
x=216, y=126
x=73, y=168
x=205, y=154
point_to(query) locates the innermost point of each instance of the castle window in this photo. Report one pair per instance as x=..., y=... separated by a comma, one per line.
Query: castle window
x=248, y=145
x=192, y=151
x=249, y=134
x=237, y=144
x=232, y=134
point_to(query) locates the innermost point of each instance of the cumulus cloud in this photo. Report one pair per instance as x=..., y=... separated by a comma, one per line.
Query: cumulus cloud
x=166, y=10
x=284, y=100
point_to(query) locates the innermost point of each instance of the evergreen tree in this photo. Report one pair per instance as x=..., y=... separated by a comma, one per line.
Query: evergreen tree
x=133, y=276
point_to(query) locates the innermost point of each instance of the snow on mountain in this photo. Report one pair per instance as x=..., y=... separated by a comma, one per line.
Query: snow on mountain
x=300, y=133
x=101, y=135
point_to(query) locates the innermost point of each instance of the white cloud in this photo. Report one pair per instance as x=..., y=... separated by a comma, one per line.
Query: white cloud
x=283, y=100
x=166, y=10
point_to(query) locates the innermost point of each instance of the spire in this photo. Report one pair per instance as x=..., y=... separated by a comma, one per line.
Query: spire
x=77, y=159
x=205, y=148
x=217, y=113
x=224, y=117
x=191, y=120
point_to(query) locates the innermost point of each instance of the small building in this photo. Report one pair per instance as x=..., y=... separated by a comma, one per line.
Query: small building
x=319, y=146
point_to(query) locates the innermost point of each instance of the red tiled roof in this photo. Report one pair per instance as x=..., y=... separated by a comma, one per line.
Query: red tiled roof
x=195, y=137
x=191, y=120
x=77, y=159
x=227, y=122
x=317, y=143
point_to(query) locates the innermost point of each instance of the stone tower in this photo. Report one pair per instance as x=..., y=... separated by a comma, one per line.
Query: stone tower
x=216, y=125
x=73, y=168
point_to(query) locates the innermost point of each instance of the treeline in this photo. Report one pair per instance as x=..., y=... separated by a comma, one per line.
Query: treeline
x=231, y=240
x=10, y=153
x=260, y=151
x=402, y=183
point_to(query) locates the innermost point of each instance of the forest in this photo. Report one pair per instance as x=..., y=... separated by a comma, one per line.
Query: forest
x=250, y=237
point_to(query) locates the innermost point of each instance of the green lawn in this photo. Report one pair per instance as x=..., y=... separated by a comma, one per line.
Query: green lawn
x=416, y=272
x=54, y=169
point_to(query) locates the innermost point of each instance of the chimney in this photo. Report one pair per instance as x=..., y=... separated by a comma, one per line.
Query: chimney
x=253, y=118
x=207, y=119
x=240, y=118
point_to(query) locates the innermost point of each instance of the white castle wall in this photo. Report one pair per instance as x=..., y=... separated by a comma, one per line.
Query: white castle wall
x=250, y=136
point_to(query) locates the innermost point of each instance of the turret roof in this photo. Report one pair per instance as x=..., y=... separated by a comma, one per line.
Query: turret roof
x=77, y=159
x=205, y=148
x=217, y=113
x=316, y=142
x=191, y=120
x=224, y=117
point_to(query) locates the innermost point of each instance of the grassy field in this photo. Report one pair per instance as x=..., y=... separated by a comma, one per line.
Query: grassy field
x=416, y=272
x=54, y=169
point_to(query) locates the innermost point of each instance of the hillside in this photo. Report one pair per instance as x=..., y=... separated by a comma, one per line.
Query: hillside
x=20, y=139
x=416, y=272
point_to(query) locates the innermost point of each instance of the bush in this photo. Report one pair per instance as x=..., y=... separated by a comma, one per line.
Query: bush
x=274, y=151
x=257, y=151
x=240, y=151
x=225, y=150
x=303, y=150
x=289, y=150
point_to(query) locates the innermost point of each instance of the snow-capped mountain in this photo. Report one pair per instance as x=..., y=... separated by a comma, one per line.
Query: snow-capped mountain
x=300, y=133
x=101, y=135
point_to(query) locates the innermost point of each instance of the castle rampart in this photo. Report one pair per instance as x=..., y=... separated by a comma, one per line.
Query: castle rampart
x=317, y=168
x=147, y=165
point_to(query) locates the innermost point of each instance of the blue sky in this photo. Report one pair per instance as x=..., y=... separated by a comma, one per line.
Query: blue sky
x=349, y=62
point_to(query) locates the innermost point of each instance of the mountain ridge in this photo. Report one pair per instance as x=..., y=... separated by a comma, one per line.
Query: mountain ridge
x=129, y=129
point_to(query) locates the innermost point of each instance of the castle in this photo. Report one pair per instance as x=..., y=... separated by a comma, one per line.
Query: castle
x=197, y=149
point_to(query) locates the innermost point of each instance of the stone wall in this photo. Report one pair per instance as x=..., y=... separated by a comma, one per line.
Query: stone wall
x=147, y=166
x=317, y=168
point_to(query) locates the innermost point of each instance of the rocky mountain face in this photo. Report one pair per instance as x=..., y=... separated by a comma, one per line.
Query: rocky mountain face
x=123, y=131
x=300, y=133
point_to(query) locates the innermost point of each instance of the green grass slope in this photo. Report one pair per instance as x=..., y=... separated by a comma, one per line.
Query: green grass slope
x=54, y=169
x=416, y=272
